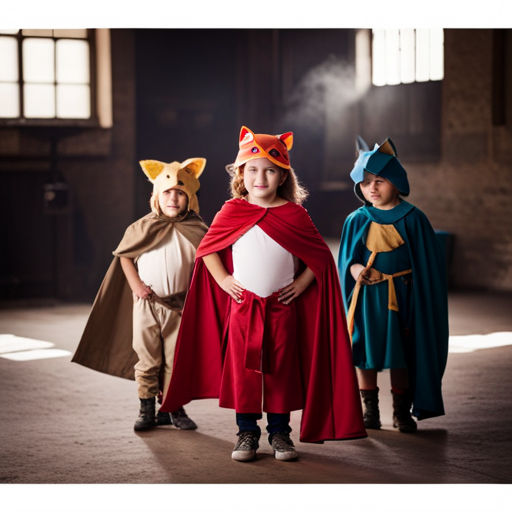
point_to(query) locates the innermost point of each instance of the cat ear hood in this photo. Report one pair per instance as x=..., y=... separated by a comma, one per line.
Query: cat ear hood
x=381, y=161
x=184, y=176
x=273, y=147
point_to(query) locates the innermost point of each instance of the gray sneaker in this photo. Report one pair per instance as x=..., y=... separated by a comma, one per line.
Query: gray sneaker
x=245, y=448
x=283, y=447
x=181, y=421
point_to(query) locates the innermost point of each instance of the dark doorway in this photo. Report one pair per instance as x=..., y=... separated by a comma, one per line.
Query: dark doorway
x=186, y=106
x=27, y=255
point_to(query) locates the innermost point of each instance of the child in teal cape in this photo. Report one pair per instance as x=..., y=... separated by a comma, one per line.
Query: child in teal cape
x=393, y=281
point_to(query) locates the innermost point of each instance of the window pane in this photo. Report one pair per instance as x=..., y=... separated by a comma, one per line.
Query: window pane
x=363, y=60
x=8, y=59
x=9, y=100
x=73, y=101
x=436, y=54
x=422, y=55
x=38, y=60
x=37, y=32
x=392, y=57
x=72, y=61
x=39, y=100
x=407, y=56
x=378, y=56
x=70, y=32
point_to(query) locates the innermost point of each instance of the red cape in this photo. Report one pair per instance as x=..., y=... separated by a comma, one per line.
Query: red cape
x=332, y=404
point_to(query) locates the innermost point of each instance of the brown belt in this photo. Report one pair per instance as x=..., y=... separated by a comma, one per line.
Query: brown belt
x=392, y=302
x=174, y=302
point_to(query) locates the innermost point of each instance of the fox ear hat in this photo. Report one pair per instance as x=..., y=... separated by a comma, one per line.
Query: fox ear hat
x=381, y=161
x=184, y=176
x=259, y=145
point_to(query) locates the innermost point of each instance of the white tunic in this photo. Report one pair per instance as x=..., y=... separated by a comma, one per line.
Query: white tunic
x=167, y=268
x=261, y=264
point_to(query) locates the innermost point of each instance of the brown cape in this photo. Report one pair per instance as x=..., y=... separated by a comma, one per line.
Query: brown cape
x=106, y=343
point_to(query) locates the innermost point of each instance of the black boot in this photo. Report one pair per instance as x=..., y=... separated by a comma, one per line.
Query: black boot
x=146, y=419
x=163, y=418
x=371, y=416
x=181, y=421
x=402, y=419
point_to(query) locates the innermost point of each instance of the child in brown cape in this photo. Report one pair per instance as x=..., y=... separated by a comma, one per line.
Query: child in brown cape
x=132, y=329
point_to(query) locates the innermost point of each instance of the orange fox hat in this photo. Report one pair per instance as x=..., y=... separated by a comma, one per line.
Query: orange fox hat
x=174, y=175
x=273, y=147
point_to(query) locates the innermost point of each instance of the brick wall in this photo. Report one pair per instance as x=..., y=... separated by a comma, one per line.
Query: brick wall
x=468, y=191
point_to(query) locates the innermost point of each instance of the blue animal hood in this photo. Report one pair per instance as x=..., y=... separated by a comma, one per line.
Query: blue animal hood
x=381, y=161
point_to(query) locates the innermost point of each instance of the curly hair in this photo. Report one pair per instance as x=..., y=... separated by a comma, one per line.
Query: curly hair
x=291, y=190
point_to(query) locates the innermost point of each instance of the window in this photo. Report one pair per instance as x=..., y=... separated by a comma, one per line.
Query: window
x=407, y=55
x=45, y=74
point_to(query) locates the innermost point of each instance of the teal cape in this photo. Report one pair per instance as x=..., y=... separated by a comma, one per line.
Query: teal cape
x=424, y=314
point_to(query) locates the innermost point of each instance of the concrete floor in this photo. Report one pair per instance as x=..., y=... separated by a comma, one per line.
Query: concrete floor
x=61, y=423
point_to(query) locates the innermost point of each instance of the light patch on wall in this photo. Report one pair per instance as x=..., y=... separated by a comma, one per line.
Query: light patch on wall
x=473, y=342
x=328, y=88
x=18, y=348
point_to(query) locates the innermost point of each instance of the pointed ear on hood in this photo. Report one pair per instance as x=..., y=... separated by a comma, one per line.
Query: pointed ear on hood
x=195, y=165
x=287, y=138
x=246, y=136
x=361, y=145
x=388, y=148
x=152, y=168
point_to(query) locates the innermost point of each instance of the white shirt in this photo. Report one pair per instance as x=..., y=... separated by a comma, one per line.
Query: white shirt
x=167, y=268
x=261, y=264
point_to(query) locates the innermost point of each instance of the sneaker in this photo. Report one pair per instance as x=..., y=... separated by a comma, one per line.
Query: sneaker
x=283, y=447
x=181, y=421
x=245, y=449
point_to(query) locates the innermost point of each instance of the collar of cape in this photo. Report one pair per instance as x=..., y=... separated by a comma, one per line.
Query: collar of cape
x=189, y=215
x=387, y=216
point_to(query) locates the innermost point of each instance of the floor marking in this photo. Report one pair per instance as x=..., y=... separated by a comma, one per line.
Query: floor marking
x=473, y=342
x=30, y=355
x=17, y=348
x=12, y=343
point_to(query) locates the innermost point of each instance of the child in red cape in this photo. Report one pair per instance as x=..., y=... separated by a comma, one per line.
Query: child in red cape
x=263, y=327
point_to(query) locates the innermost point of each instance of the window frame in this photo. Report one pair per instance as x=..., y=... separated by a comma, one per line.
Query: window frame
x=414, y=50
x=22, y=121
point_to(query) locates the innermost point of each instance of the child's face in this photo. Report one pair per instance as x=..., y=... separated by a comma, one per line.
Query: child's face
x=378, y=191
x=173, y=202
x=261, y=180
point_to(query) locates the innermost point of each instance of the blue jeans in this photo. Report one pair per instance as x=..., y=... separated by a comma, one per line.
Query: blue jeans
x=276, y=422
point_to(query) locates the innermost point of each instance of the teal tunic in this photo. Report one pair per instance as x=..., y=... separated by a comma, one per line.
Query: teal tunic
x=415, y=337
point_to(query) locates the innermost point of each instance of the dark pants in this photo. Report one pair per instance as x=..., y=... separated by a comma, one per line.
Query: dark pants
x=276, y=422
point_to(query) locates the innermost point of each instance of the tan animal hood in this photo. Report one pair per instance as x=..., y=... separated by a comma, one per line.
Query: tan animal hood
x=184, y=176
